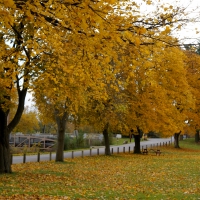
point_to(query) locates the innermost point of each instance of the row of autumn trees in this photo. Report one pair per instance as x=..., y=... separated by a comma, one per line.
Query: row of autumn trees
x=31, y=122
x=97, y=62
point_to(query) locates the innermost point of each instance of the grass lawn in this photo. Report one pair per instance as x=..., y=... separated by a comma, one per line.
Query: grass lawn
x=189, y=143
x=173, y=175
x=120, y=141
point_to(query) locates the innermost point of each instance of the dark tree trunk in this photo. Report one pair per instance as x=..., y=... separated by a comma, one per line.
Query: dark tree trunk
x=5, y=130
x=176, y=140
x=137, y=141
x=43, y=129
x=197, y=136
x=21, y=86
x=5, y=162
x=61, y=123
x=20, y=109
x=106, y=139
x=130, y=136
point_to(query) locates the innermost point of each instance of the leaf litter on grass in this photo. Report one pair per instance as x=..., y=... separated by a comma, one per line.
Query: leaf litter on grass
x=174, y=175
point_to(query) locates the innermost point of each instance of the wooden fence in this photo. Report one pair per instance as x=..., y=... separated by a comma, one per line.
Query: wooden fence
x=96, y=151
x=44, y=143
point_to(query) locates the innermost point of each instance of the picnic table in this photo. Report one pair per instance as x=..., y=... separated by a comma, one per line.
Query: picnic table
x=157, y=151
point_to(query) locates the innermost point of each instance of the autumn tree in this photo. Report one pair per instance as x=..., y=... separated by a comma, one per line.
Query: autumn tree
x=28, y=122
x=106, y=112
x=78, y=72
x=193, y=69
x=23, y=43
x=58, y=103
x=24, y=50
x=159, y=93
x=31, y=33
x=47, y=127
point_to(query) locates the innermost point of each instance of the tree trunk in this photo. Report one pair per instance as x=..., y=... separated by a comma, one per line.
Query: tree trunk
x=130, y=136
x=106, y=139
x=176, y=139
x=197, y=136
x=43, y=129
x=5, y=162
x=61, y=123
x=5, y=130
x=137, y=141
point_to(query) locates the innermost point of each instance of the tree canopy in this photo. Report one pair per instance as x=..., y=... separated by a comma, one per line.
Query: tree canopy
x=104, y=61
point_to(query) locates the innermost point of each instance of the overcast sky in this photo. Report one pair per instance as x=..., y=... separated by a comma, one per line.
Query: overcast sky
x=188, y=32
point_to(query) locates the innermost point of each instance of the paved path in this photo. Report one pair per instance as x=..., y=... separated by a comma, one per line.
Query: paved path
x=94, y=151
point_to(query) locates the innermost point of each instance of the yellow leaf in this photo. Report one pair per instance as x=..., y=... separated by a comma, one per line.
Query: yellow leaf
x=167, y=30
x=9, y=3
x=149, y=2
x=137, y=42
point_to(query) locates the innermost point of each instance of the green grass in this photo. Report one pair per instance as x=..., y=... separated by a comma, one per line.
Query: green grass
x=120, y=141
x=173, y=175
x=189, y=143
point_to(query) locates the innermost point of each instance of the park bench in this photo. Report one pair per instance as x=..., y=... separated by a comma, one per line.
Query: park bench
x=157, y=152
x=145, y=151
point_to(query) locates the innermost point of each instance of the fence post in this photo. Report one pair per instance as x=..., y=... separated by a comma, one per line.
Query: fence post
x=163, y=144
x=38, y=157
x=72, y=154
x=90, y=152
x=146, y=146
x=97, y=151
x=112, y=150
x=11, y=159
x=50, y=156
x=129, y=149
x=142, y=148
x=82, y=153
x=117, y=149
x=123, y=149
x=24, y=158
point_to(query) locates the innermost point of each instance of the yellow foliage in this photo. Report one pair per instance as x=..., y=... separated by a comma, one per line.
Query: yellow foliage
x=160, y=95
x=93, y=58
x=9, y=3
x=193, y=69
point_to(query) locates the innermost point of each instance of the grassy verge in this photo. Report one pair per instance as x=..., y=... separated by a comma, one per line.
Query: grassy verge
x=173, y=175
x=190, y=144
x=120, y=141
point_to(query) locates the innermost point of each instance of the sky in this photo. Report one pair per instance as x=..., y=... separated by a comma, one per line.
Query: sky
x=28, y=100
x=188, y=33
x=191, y=32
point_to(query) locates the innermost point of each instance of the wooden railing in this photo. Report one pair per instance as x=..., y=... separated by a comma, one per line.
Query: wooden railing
x=96, y=151
x=29, y=141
